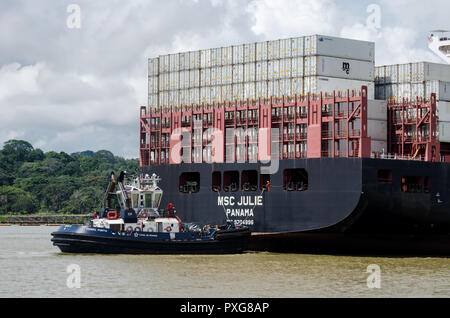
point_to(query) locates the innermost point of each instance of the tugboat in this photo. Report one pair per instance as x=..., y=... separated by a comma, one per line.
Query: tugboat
x=136, y=226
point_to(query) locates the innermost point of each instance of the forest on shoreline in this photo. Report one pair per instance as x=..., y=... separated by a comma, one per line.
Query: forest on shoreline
x=33, y=182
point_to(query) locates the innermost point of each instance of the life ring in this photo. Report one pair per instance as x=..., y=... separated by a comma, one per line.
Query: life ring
x=112, y=215
x=129, y=229
x=168, y=228
x=144, y=215
x=137, y=229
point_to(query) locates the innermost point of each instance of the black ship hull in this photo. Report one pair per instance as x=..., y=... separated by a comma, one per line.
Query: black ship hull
x=82, y=240
x=354, y=197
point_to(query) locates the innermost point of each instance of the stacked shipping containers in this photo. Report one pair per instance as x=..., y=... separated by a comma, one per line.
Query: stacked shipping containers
x=286, y=67
x=417, y=80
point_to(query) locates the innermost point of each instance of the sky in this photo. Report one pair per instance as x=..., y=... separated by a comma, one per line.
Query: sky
x=72, y=78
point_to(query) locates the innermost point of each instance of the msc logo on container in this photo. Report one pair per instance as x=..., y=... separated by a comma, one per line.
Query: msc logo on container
x=346, y=67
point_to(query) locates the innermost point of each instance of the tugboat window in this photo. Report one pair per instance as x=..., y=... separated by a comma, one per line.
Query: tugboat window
x=189, y=182
x=231, y=181
x=249, y=180
x=157, y=200
x=295, y=180
x=148, y=203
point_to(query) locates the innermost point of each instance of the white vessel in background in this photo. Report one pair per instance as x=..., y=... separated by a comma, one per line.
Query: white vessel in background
x=440, y=44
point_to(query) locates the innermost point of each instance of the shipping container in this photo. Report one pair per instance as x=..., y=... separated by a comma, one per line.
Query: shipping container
x=173, y=98
x=194, y=96
x=391, y=74
x=174, y=62
x=216, y=75
x=153, y=101
x=238, y=54
x=380, y=75
x=417, y=90
x=238, y=91
x=227, y=56
x=338, y=67
x=273, y=71
x=444, y=131
x=297, y=67
x=426, y=71
x=297, y=86
x=205, y=58
x=379, y=146
x=443, y=111
x=184, y=97
x=249, y=53
x=163, y=82
x=184, y=80
x=184, y=61
x=261, y=51
x=285, y=68
x=317, y=84
x=377, y=110
x=404, y=73
x=404, y=91
x=377, y=129
x=273, y=88
x=285, y=87
x=273, y=50
x=249, y=90
x=339, y=47
x=440, y=88
x=216, y=94
x=261, y=90
x=261, y=71
x=238, y=73
x=249, y=72
x=153, y=67
x=227, y=74
x=153, y=85
x=205, y=95
x=380, y=92
x=227, y=93
x=285, y=48
x=205, y=77
x=194, y=78
x=297, y=47
x=164, y=64
x=216, y=57
x=174, y=78
x=194, y=60
x=163, y=99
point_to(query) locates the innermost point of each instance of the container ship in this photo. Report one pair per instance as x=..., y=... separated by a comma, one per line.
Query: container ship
x=305, y=141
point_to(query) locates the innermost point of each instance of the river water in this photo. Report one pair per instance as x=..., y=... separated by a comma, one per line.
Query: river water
x=31, y=267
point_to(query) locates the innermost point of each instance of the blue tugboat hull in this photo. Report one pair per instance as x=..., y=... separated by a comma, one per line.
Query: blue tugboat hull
x=83, y=239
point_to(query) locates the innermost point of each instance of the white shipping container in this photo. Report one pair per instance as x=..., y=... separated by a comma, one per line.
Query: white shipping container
x=164, y=64
x=238, y=92
x=379, y=146
x=238, y=54
x=444, y=131
x=417, y=90
x=285, y=48
x=377, y=109
x=194, y=78
x=216, y=57
x=249, y=52
x=297, y=67
x=205, y=58
x=216, y=75
x=404, y=91
x=184, y=79
x=174, y=62
x=273, y=88
x=426, y=71
x=163, y=99
x=443, y=111
x=285, y=87
x=184, y=97
x=273, y=50
x=164, y=82
x=153, y=101
x=261, y=89
x=297, y=47
x=194, y=96
x=380, y=92
x=153, y=66
x=194, y=60
x=261, y=51
x=173, y=98
x=261, y=71
x=216, y=94
x=227, y=74
x=205, y=77
x=174, y=78
x=238, y=73
x=340, y=68
x=440, y=88
x=404, y=73
x=227, y=55
x=249, y=90
x=286, y=68
x=317, y=84
x=273, y=67
x=205, y=95
x=153, y=85
x=339, y=47
x=249, y=72
x=227, y=93
x=391, y=74
x=377, y=129
x=297, y=86
x=379, y=75
x=184, y=61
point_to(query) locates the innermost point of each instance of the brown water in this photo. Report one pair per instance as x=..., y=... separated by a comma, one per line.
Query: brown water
x=32, y=267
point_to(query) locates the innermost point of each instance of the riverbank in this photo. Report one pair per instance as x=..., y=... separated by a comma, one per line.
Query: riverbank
x=38, y=219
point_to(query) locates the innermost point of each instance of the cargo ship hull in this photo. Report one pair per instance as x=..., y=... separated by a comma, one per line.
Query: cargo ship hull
x=353, y=197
